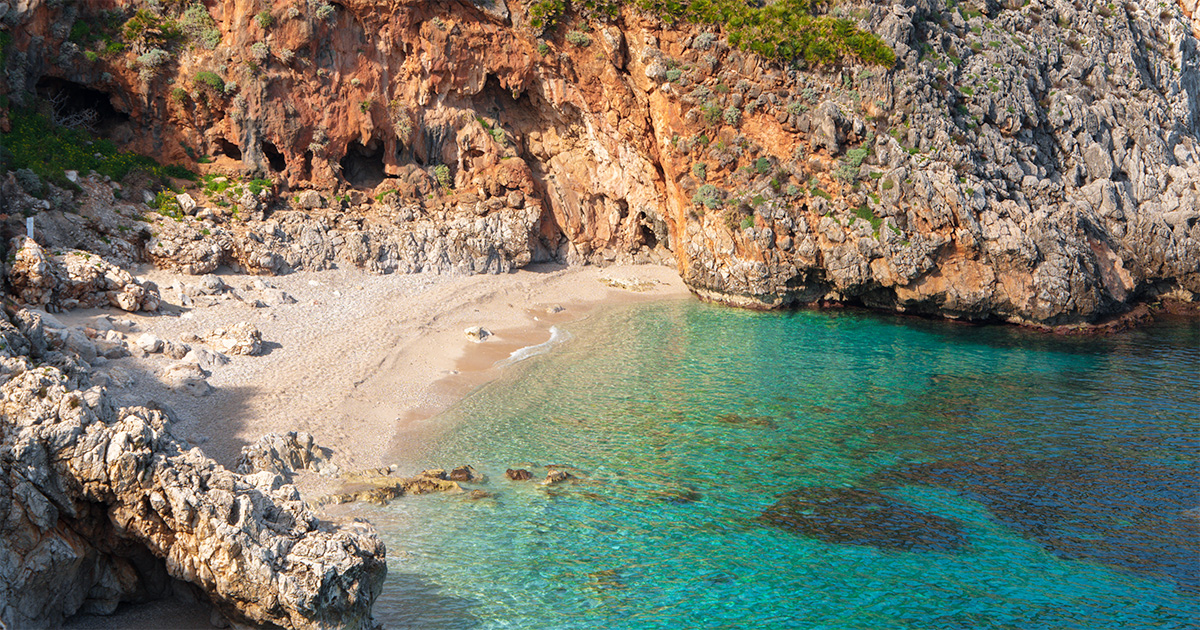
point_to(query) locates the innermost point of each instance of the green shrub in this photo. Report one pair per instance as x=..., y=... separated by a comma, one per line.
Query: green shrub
x=865, y=213
x=544, y=14
x=256, y=186
x=212, y=80
x=199, y=26
x=167, y=205
x=700, y=171
x=441, y=173
x=264, y=19
x=783, y=29
x=732, y=116
x=579, y=39
x=48, y=150
x=707, y=196
x=762, y=165
x=855, y=157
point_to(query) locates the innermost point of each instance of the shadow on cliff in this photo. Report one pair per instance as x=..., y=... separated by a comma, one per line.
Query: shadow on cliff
x=412, y=601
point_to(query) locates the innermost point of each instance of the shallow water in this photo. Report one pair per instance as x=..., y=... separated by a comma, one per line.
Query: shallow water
x=814, y=470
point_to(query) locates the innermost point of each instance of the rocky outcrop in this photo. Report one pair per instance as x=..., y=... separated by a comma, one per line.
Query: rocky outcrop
x=75, y=279
x=101, y=504
x=284, y=454
x=1032, y=162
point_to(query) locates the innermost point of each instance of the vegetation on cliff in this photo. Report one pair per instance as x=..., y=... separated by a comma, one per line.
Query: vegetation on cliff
x=783, y=30
x=38, y=144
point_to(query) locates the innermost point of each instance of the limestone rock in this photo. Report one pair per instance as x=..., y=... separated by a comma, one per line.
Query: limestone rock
x=104, y=506
x=243, y=338
x=284, y=454
x=148, y=342
x=75, y=279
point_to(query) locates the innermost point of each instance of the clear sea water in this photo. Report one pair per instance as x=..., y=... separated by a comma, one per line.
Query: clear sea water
x=814, y=470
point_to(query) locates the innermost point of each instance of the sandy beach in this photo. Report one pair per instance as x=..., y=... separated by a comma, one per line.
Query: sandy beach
x=359, y=355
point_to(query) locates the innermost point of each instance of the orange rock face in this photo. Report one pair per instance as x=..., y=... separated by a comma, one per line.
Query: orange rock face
x=956, y=183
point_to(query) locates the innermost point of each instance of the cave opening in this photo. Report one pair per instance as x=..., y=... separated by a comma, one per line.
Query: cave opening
x=228, y=149
x=647, y=237
x=274, y=157
x=362, y=166
x=307, y=171
x=77, y=106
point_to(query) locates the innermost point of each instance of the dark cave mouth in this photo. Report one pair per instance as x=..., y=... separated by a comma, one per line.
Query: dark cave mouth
x=362, y=166
x=228, y=149
x=76, y=106
x=274, y=156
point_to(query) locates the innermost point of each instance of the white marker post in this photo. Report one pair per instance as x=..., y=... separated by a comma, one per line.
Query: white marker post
x=29, y=227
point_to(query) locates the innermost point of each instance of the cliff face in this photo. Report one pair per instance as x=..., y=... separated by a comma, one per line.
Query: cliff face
x=1034, y=162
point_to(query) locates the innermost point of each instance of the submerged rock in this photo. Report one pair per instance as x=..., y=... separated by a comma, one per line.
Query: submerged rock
x=556, y=477
x=753, y=421
x=519, y=474
x=852, y=516
x=1123, y=513
x=464, y=474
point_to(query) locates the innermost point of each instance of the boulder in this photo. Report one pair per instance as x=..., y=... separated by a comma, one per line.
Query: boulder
x=149, y=343
x=519, y=474
x=556, y=477
x=188, y=377
x=205, y=358
x=464, y=474
x=283, y=454
x=242, y=338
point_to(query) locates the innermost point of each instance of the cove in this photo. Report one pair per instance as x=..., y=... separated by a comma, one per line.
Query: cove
x=814, y=469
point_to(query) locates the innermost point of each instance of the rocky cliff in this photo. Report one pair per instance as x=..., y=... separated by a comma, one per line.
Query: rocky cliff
x=1027, y=161
x=100, y=505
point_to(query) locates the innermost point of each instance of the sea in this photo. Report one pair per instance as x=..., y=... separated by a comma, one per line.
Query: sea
x=812, y=469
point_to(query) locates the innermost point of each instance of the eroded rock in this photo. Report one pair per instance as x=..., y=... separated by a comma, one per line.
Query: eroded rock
x=103, y=504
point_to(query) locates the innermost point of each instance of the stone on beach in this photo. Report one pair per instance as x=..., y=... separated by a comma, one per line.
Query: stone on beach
x=242, y=338
x=477, y=333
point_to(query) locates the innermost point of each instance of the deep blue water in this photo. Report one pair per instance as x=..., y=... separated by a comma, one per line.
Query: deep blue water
x=814, y=470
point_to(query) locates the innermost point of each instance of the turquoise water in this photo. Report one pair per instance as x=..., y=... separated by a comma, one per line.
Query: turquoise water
x=814, y=470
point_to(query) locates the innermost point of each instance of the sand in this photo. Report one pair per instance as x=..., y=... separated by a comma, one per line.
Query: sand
x=360, y=356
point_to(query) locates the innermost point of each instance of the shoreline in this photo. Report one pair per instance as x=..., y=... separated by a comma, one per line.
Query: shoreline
x=359, y=356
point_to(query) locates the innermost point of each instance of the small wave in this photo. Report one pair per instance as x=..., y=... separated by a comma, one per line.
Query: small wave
x=520, y=354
